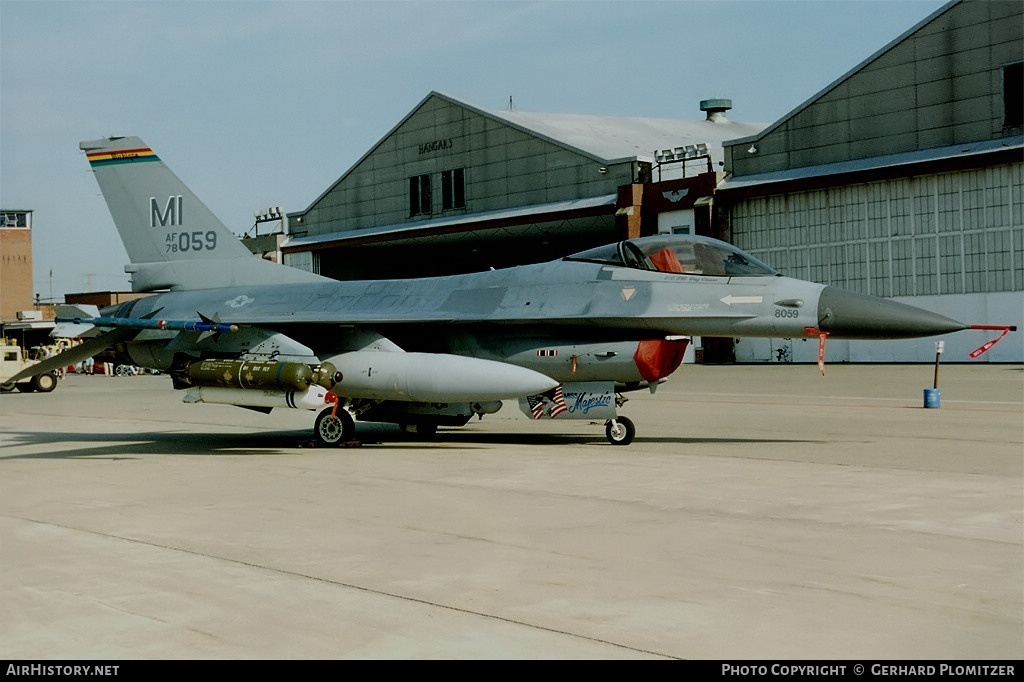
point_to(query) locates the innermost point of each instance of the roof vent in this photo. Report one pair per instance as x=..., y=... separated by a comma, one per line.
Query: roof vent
x=716, y=109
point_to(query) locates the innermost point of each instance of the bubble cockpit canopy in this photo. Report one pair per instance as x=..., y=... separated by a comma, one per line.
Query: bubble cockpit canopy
x=681, y=254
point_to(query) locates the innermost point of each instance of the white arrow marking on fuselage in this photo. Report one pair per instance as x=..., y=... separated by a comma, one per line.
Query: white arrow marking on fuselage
x=730, y=299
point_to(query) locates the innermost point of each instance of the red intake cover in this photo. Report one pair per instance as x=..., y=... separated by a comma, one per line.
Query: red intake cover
x=657, y=358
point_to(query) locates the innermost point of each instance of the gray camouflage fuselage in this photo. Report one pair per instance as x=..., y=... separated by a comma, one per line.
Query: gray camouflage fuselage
x=507, y=314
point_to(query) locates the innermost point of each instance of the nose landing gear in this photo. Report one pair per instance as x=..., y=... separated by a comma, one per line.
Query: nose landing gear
x=619, y=431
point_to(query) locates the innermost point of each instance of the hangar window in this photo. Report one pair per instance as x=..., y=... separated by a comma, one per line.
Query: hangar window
x=1013, y=95
x=419, y=195
x=453, y=189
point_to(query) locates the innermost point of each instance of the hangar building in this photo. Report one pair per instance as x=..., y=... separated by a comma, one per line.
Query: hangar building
x=903, y=179
x=456, y=188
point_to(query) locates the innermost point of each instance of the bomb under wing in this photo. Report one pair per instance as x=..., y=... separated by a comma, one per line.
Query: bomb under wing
x=313, y=398
x=247, y=374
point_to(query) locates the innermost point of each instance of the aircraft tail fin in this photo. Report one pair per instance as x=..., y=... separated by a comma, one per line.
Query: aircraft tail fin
x=173, y=240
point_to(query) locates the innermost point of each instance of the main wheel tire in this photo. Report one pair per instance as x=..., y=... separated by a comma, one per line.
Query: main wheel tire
x=8, y=387
x=26, y=386
x=44, y=383
x=332, y=431
x=426, y=430
x=619, y=431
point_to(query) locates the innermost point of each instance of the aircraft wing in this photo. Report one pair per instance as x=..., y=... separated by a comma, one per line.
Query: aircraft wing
x=76, y=354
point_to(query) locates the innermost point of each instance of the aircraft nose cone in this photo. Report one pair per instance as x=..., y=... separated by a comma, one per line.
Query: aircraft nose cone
x=848, y=315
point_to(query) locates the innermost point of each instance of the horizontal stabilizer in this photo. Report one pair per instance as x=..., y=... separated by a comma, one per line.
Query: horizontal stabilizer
x=78, y=310
x=75, y=327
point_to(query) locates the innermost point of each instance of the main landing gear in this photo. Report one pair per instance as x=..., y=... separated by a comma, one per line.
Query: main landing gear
x=619, y=431
x=333, y=427
x=424, y=430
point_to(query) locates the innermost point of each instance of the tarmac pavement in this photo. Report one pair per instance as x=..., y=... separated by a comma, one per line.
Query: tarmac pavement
x=763, y=512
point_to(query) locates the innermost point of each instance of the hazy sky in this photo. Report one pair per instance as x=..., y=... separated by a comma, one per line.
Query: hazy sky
x=256, y=104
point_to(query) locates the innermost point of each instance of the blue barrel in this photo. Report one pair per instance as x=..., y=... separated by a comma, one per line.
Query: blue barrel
x=931, y=397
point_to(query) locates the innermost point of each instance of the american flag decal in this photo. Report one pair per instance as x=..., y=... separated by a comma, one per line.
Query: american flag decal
x=559, y=402
x=536, y=405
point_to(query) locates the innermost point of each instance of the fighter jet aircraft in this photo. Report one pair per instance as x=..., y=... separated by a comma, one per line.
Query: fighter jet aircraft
x=565, y=338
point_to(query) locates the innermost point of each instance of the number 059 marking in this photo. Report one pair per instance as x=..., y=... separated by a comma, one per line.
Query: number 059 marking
x=190, y=241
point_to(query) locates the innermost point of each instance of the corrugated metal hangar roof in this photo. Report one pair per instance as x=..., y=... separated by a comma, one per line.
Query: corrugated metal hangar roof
x=616, y=138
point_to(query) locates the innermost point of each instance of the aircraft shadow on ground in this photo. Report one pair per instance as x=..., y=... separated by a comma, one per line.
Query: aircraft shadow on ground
x=69, y=445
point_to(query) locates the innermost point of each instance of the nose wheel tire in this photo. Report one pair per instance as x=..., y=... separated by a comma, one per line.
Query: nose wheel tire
x=333, y=430
x=619, y=431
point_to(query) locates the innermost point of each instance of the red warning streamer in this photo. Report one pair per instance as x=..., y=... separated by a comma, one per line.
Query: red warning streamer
x=813, y=331
x=331, y=398
x=1005, y=329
